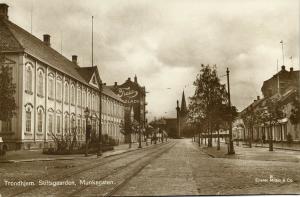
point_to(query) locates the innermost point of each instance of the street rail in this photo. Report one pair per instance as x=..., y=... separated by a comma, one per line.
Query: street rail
x=151, y=156
x=69, y=173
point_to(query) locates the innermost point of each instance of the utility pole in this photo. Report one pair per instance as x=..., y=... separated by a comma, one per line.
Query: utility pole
x=231, y=148
x=281, y=42
x=92, y=41
x=178, y=119
x=100, y=121
x=140, y=131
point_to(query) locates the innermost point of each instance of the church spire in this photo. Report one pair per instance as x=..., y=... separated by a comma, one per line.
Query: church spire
x=183, y=104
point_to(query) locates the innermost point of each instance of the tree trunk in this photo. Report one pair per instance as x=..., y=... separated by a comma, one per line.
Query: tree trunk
x=218, y=147
x=199, y=138
x=250, y=136
x=270, y=138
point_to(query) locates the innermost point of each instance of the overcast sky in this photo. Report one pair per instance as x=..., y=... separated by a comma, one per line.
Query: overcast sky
x=165, y=42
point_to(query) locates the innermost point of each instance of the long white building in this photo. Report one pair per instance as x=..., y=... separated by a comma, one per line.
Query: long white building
x=52, y=92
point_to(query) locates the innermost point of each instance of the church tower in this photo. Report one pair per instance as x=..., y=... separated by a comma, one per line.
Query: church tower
x=183, y=109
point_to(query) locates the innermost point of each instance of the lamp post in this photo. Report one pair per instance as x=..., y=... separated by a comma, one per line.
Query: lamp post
x=140, y=132
x=86, y=114
x=140, y=136
x=231, y=148
x=100, y=122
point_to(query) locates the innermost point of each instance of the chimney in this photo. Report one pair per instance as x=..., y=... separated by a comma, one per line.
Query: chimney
x=116, y=83
x=291, y=69
x=129, y=79
x=3, y=11
x=258, y=97
x=282, y=67
x=135, y=79
x=74, y=59
x=47, y=39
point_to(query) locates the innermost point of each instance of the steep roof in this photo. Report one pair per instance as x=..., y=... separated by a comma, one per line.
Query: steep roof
x=87, y=72
x=183, y=108
x=107, y=91
x=15, y=39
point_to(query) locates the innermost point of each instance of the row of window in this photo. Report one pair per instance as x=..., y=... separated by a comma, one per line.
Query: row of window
x=40, y=121
x=83, y=99
x=112, y=108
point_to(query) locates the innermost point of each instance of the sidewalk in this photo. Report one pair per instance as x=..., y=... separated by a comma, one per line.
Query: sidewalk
x=254, y=153
x=37, y=155
x=278, y=145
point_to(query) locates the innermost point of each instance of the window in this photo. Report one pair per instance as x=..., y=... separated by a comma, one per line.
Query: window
x=50, y=123
x=89, y=100
x=83, y=99
x=94, y=126
x=58, y=90
x=51, y=87
x=79, y=126
x=58, y=123
x=40, y=121
x=73, y=125
x=66, y=92
x=6, y=126
x=79, y=97
x=29, y=78
x=96, y=103
x=41, y=84
x=83, y=124
x=28, y=121
x=93, y=102
x=72, y=95
x=66, y=123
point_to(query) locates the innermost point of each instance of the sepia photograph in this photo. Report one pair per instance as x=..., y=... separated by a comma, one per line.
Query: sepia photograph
x=149, y=98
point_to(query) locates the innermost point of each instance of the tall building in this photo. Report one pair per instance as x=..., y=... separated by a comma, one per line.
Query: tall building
x=52, y=91
x=182, y=116
x=134, y=96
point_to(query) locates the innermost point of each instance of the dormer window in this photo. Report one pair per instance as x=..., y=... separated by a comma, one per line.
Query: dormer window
x=94, y=80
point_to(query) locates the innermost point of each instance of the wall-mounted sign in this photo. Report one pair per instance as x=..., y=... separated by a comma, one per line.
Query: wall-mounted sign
x=128, y=94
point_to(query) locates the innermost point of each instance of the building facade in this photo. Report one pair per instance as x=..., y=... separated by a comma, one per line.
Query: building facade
x=134, y=96
x=182, y=118
x=284, y=86
x=113, y=114
x=52, y=92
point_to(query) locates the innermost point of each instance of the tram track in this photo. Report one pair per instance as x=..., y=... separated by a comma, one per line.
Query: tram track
x=142, y=164
x=69, y=173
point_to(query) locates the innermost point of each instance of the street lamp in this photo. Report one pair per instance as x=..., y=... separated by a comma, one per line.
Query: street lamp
x=100, y=122
x=231, y=148
x=140, y=135
x=87, y=129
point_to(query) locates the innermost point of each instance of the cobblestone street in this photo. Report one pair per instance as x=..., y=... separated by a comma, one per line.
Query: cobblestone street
x=185, y=169
x=179, y=167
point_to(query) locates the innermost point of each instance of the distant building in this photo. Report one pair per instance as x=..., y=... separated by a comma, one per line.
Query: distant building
x=182, y=117
x=52, y=92
x=284, y=86
x=171, y=127
x=134, y=96
x=281, y=82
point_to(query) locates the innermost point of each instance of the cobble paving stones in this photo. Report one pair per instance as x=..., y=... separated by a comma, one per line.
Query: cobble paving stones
x=188, y=170
x=185, y=169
